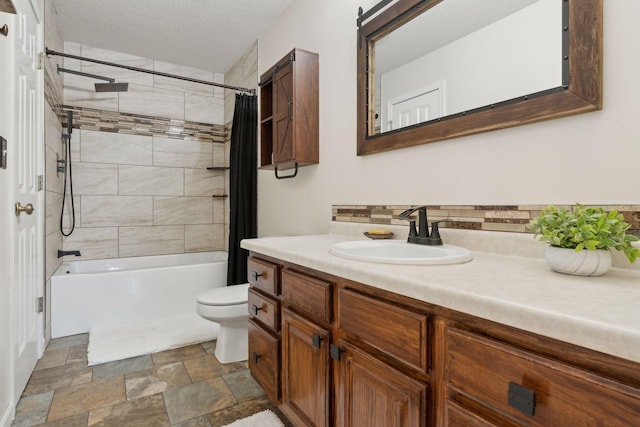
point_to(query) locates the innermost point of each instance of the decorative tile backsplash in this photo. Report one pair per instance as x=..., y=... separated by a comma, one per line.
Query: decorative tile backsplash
x=139, y=124
x=511, y=218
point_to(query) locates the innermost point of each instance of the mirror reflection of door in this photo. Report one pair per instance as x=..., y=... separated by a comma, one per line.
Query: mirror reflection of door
x=413, y=108
x=487, y=52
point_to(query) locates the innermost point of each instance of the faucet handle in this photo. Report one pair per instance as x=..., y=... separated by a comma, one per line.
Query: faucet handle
x=435, y=232
x=413, y=231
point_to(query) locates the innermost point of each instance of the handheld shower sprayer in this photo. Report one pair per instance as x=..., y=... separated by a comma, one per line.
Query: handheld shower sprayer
x=64, y=166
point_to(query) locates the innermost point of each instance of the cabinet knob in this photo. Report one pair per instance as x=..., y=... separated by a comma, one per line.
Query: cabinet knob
x=522, y=399
x=316, y=340
x=335, y=351
x=255, y=356
x=255, y=309
x=256, y=275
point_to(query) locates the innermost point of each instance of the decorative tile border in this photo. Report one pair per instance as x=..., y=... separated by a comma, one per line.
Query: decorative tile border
x=138, y=124
x=511, y=218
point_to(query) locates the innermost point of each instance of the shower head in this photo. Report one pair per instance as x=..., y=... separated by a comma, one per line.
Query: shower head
x=111, y=87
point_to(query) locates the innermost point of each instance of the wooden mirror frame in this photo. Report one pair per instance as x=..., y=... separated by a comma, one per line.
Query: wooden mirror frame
x=582, y=20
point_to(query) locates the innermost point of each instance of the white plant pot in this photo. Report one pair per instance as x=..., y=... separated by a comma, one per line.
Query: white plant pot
x=583, y=263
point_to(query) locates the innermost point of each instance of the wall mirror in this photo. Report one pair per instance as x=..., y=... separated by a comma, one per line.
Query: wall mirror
x=436, y=69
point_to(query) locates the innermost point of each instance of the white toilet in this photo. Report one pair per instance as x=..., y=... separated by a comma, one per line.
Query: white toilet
x=227, y=306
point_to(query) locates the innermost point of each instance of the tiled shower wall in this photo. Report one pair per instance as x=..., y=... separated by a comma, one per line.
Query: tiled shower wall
x=140, y=179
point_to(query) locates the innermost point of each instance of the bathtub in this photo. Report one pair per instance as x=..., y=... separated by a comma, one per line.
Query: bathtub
x=88, y=294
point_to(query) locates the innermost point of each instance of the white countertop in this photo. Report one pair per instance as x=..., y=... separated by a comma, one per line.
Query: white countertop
x=600, y=313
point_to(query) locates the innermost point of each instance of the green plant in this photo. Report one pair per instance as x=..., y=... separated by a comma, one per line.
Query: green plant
x=585, y=228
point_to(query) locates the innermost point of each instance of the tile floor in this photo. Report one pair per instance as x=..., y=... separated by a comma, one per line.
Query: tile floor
x=185, y=387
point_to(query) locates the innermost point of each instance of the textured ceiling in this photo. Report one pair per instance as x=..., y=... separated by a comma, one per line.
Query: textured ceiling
x=206, y=34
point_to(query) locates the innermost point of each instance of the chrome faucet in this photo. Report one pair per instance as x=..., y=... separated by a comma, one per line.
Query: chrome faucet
x=420, y=235
x=63, y=253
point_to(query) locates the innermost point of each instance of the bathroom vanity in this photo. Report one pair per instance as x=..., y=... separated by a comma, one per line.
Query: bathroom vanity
x=496, y=341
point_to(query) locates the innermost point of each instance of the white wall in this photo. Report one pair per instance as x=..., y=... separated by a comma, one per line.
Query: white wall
x=589, y=158
x=6, y=405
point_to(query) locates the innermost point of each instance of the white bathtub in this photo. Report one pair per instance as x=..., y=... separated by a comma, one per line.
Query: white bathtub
x=88, y=294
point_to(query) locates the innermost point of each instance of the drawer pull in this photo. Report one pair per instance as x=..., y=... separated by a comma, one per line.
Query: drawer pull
x=316, y=339
x=255, y=309
x=522, y=399
x=255, y=356
x=256, y=275
x=334, y=350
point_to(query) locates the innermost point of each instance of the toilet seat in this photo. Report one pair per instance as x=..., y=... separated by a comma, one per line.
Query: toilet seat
x=225, y=295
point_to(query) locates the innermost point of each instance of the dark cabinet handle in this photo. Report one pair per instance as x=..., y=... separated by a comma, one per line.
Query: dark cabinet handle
x=256, y=275
x=293, y=175
x=255, y=356
x=522, y=399
x=316, y=340
x=335, y=351
x=255, y=309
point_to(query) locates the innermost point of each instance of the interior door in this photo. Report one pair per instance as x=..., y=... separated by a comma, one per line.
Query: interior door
x=27, y=260
x=414, y=108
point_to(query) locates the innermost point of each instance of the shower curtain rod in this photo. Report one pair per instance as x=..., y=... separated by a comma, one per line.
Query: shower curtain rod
x=142, y=70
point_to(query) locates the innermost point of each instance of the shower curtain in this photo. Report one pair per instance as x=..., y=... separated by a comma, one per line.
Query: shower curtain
x=243, y=191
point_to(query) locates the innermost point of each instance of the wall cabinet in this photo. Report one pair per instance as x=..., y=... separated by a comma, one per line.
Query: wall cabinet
x=289, y=112
x=353, y=355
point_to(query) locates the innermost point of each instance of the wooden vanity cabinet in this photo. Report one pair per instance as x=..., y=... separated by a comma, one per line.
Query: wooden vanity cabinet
x=306, y=338
x=502, y=381
x=264, y=325
x=341, y=361
x=370, y=392
x=354, y=355
x=383, y=362
x=289, y=116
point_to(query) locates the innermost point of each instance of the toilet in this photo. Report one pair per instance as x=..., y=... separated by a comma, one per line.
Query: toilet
x=227, y=305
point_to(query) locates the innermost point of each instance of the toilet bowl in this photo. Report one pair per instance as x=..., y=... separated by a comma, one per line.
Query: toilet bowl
x=227, y=306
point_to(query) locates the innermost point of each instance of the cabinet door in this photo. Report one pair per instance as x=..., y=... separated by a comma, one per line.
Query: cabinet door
x=264, y=360
x=371, y=393
x=283, y=115
x=305, y=371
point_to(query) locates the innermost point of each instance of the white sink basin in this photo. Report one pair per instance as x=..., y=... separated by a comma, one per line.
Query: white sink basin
x=400, y=252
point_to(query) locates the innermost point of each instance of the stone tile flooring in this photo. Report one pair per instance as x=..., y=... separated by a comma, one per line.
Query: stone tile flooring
x=185, y=387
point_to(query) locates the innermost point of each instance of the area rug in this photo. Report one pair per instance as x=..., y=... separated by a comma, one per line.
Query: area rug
x=265, y=418
x=117, y=342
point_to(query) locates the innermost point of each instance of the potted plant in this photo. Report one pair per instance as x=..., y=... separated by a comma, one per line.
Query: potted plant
x=580, y=239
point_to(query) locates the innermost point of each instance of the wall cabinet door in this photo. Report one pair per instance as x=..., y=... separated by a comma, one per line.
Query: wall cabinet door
x=283, y=115
x=306, y=370
x=289, y=112
x=371, y=393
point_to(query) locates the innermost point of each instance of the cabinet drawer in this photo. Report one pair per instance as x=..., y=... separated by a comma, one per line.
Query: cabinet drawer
x=308, y=295
x=562, y=395
x=457, y=416
x=263, y=275
x=264, y=362
x=395, y=330
x=264, y=309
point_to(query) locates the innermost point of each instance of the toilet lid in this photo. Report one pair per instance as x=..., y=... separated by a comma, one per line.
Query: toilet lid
x=225, y=295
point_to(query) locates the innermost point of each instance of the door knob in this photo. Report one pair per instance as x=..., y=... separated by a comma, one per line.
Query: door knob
x=28, y=209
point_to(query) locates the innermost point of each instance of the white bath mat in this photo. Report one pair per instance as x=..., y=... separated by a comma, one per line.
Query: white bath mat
x=261, y=419
x=122, y=341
